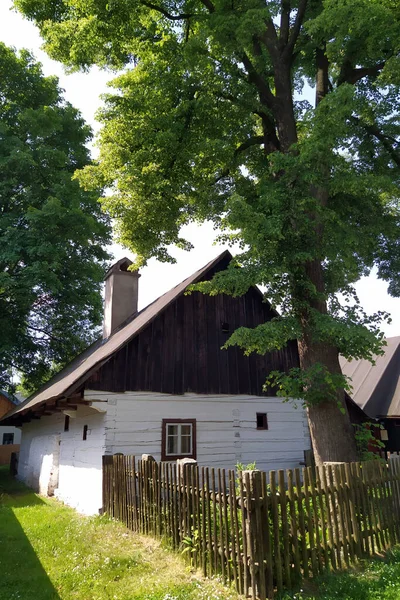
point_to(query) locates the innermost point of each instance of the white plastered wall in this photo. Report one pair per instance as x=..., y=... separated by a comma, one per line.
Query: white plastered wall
x=55, y=461
x=225, y=426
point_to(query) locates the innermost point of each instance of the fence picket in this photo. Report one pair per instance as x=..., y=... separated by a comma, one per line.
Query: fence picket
x=285, y=528
x=235, y=543
x=323, y=520
x=246, y=579
x=275, y=520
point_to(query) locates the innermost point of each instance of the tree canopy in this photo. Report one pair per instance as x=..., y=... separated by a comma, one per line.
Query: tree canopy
x=212, y=119
x=52, y=232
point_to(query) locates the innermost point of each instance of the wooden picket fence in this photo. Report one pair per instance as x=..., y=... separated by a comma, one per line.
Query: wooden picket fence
x=262, y=532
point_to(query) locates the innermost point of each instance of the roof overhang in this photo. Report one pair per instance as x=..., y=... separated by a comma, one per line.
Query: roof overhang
x=44, y=409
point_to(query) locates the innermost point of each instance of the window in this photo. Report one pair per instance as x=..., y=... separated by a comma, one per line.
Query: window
x=85, y=430
x=224, y=327
x=66, y=423
x=262, y=421
x=8, y=438
x=178, y=439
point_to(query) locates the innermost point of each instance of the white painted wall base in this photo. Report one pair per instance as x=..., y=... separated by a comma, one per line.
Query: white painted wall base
x=56, y=461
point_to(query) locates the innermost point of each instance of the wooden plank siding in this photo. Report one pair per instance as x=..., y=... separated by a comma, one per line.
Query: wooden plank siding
x=180, y=350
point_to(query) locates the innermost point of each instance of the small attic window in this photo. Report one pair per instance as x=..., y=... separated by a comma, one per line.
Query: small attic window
x=66, y=423
x=225, y=327
x=85, y=430
x=124, y=266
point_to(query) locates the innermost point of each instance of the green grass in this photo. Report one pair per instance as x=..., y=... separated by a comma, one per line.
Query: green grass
x=377, y=579
x=49, y=552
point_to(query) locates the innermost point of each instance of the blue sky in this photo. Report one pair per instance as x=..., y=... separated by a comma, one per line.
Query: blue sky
x=83, y=91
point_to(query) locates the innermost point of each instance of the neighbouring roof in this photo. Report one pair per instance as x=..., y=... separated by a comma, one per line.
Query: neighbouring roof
x=76, y=372
x=376, y=388
x=13, y=399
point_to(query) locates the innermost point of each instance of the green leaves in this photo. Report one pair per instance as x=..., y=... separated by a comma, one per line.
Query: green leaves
x=314, y=385
x=210, y=120
x=51, y=231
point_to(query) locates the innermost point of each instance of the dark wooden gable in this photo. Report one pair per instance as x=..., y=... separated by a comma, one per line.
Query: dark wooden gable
x=180, y=350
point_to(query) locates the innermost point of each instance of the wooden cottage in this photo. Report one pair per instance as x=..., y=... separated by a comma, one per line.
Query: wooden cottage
x=376, y=390
x=159, y=383
x=10, y=436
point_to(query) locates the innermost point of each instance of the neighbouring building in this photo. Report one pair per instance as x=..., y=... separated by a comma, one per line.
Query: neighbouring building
x=10, y=436
x=159, y=383
x=376, y=389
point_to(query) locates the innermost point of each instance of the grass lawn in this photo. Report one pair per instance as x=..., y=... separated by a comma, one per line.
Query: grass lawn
x=377, y=579
x=49, y=552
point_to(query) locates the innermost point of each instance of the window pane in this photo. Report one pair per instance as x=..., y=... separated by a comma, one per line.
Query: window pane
x=172, y=444
x=186, y=429
x=186, y=443
x=172, y=429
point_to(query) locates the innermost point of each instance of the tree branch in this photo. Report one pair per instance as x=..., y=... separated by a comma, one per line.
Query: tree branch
x=271, y=42
x=285, y=23
x=348, y=74
x=385, y=140
x=208, y=4
x=165, y=13
x=255, y=140
x=271, y=141
x=52, y=337
x=301, y=11
x=266, y=96
x=322, y=75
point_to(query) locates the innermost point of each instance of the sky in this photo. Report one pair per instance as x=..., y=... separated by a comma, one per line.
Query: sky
x=83, y=90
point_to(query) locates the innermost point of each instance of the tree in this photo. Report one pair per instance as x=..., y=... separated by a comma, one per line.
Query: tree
x=52, y=232
x=210, y=120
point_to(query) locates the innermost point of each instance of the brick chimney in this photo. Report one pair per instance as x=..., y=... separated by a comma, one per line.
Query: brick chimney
x=121, y=295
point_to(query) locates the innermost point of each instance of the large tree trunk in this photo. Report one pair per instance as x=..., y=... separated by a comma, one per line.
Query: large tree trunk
x=332, y=434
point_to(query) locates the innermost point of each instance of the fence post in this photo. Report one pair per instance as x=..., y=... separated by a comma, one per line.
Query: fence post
x=107, y=476
x=148, y=492
x=254, y=532
x=14, y=464
x=186, y=479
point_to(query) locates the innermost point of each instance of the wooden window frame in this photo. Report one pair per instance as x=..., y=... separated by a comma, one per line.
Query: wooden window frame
x=265, y=419
x=170, y=458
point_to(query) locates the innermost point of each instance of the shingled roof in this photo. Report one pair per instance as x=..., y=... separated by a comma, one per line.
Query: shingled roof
x=69, y=379
x=376, y=388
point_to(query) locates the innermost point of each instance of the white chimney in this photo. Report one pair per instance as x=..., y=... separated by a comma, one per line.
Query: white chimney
x=121, y=295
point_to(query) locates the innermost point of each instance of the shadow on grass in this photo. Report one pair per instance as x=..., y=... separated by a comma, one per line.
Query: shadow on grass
x=22, y=574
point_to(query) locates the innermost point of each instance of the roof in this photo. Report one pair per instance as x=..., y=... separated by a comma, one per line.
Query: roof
x=376, y=388
x=10, y=397
x=76, y=372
